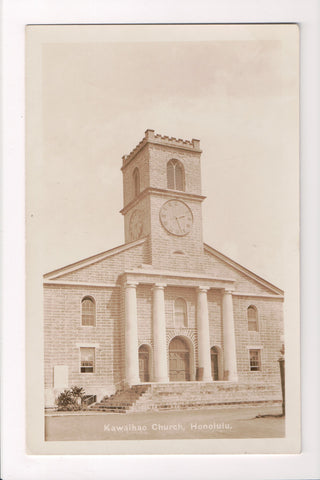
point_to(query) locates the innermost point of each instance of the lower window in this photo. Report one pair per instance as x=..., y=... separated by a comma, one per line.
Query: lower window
x=255, y=360
x=87, y=358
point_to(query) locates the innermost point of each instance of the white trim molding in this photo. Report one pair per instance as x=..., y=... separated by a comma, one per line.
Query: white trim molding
x=257, y=295
x=74, y=283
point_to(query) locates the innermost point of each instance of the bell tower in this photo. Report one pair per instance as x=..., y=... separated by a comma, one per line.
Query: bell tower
x=162, y=200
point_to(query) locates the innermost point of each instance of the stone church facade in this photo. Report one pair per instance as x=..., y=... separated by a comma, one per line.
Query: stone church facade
x=164, y=308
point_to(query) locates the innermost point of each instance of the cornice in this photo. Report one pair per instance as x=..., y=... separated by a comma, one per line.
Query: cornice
x=80, y=284
x=174, y=278
x=257, y=295
x=162, y=192
x=171, y=273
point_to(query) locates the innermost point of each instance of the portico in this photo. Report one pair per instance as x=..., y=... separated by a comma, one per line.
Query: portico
x=188, y=360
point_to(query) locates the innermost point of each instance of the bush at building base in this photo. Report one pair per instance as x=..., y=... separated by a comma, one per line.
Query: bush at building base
x=70, y=399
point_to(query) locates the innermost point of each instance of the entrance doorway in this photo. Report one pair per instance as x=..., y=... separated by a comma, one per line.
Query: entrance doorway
x=144, y=364
x=179, y=360
x=214, y=363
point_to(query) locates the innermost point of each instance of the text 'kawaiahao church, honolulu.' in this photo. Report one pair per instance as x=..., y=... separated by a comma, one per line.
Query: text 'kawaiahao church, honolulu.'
x=164, y=315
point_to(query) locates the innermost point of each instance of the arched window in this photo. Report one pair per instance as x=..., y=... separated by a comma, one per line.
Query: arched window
x=136, y=181
x=180, y=313
x=175, y=175
x=252, y=319
x=88, y=312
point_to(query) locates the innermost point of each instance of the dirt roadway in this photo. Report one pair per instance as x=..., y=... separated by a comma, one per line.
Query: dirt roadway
x=192, y=424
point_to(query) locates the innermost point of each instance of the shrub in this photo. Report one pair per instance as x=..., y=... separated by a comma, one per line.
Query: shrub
x=70, y=399
x=77, y=392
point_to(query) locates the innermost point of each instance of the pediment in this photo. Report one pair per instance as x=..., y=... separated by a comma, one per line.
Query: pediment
x=101, y=268
x=245, y=280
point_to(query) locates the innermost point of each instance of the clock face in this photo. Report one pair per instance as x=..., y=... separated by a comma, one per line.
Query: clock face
x=176, y=217
x=136, y=225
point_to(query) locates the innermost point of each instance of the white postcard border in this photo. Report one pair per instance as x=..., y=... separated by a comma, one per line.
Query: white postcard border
x=16, y=462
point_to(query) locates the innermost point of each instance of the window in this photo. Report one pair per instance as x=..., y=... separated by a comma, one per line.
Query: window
x=175, y=175
x=252, y=319
x=255, y=360
x=88, y=312
x=87, y=358
x=136, y=181
x=180, y=313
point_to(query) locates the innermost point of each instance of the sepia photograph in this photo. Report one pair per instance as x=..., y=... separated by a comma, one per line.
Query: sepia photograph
x=162, y=239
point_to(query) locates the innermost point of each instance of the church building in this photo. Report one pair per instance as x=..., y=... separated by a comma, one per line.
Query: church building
x=164, y=309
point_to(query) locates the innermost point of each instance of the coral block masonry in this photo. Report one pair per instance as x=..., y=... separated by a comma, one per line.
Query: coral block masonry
x=164, y=309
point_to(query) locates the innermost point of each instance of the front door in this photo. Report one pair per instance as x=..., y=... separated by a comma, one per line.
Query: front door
x=214, y=364
x=144, y=364
x=179, y=361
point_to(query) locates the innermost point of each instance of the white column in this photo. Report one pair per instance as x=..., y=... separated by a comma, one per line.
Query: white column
x=204, y=359
x=131, y=335
x=160, y=361
x=229, y=340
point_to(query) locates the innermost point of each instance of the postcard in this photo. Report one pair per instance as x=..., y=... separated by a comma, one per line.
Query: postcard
x=162, y=239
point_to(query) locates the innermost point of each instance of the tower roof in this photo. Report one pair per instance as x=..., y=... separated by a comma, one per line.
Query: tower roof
x=151, y=137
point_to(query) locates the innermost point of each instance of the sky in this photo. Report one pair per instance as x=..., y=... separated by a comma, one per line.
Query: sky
x=95, y=90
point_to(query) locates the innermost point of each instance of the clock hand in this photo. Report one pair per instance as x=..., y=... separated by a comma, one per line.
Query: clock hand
x=177, y=218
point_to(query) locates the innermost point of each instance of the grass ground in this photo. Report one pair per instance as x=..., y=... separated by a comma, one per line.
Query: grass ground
x=192, y=424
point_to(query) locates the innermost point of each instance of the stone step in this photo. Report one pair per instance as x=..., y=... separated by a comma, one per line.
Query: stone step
x=176, y=396
x=188, y=395
x=122, y=400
